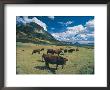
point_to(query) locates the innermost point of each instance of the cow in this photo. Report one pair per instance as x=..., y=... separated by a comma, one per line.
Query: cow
x=42, y=49
x=77, y=49
x=65, y=50
x=52, y=59
x=58, y=51
x=36, y=50
x=71, y=50
x=50, y=51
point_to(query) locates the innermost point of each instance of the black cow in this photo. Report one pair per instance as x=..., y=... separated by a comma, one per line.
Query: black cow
x=77, y=49
x=71, y=50
x=42, y=49
x=50, y=51
x=52, y=59
x=58, y=51
x=65, y=50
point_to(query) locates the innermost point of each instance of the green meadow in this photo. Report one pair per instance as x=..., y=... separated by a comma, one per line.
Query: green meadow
x=80, y=62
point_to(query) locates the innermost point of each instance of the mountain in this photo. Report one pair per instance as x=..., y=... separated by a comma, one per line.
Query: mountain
x=32, y=32
x=82, y=44
x=77, y=44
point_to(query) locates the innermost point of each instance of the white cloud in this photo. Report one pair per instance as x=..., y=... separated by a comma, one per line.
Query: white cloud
x=18, y=19
x=51, y=17
x=79, y=33
x=69, y=35
x=89, y=26
x=66, y=23
x=25, y=20
x=90, y=23
x=85, y=42
x=42, y=24
x=75, y=29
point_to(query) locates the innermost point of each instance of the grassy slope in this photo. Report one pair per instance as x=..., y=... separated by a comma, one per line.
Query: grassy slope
x=81, y=62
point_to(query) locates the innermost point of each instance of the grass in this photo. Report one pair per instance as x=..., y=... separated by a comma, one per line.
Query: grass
x=81, y=62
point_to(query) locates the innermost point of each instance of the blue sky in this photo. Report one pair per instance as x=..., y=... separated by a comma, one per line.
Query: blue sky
x=65, y=28
x=60, y=23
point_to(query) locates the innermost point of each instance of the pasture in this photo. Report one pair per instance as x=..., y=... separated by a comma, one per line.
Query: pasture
x=80, y=62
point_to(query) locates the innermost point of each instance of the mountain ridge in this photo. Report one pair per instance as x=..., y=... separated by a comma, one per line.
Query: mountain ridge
x=32, y=32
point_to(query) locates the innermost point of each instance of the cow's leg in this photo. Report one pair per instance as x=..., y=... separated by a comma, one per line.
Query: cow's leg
x=56, y=66
x=62, y=66
x=47, y=64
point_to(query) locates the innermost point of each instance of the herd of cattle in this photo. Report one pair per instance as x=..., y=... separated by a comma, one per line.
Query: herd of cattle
x=57, y=51
x=53, y=56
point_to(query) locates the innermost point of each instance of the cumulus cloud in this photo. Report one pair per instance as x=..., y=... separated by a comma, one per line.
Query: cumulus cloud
x=90, y=23
x=85, y=42
x=66, y=23
x=89, y=26
x=51, y=17
x=19, y=19
x=75, y=29
x=25, y=20
x=86, y=37
x=69, y=34
x=80, y=33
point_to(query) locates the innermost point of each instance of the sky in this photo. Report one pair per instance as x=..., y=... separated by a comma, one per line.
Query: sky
x=65, y=28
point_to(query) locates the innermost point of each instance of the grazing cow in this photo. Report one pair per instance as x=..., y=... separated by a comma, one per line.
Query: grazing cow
x=71, y=50
x=50, y=51
x=77, y=49
x=65, y=50
x=36, y=50
x=58, y=51
x=52, y=59
x=42, y=49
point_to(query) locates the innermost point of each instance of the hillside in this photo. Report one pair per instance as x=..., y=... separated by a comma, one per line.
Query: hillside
x=34, y=33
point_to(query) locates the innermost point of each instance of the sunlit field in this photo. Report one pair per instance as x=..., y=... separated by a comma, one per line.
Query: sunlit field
x=79, y=62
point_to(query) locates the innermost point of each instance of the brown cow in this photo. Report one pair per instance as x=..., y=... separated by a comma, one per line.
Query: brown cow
x=77, y=49
x=50, y=51
x=71, y=50
x=42, y=49
x=58, y=51
x=52, y=59
x=36, y=51
x=65, y=50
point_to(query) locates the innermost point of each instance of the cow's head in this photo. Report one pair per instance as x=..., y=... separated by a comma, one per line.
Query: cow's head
x=65, y=59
